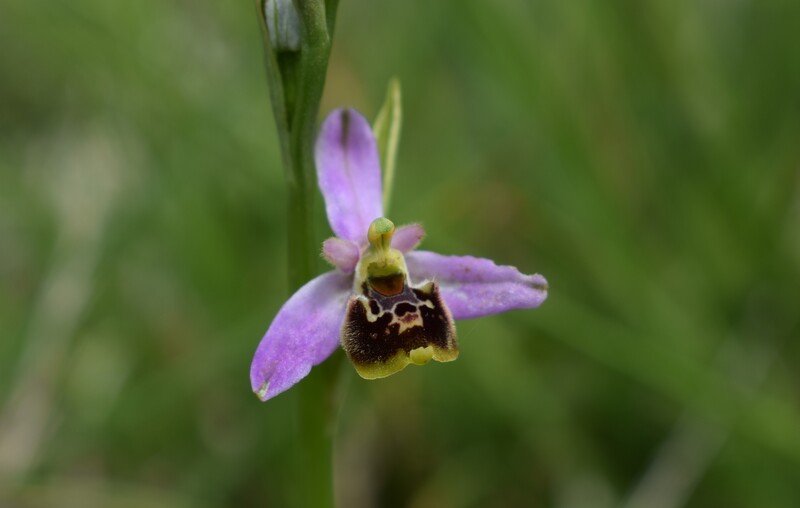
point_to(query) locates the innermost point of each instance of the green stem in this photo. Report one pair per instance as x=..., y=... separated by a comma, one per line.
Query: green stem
x=307, y=87
x=317, y=406
x=296, y=80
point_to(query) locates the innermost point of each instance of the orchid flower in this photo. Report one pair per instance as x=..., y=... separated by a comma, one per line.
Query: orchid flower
x=387, y=304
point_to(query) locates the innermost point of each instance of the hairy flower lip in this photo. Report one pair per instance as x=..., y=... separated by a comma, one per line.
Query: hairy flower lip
x=307, y=328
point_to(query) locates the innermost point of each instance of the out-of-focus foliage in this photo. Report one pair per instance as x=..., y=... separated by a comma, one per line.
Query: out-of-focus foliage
x=643, y=155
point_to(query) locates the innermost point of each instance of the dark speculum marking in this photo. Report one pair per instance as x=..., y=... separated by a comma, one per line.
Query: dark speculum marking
x=404, y=308
x=382, y=333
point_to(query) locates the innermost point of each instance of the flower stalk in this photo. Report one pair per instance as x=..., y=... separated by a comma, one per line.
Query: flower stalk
x=297, y=37
x=386, y=304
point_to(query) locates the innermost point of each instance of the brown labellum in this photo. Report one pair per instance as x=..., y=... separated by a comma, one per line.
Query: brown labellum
x=392, y=324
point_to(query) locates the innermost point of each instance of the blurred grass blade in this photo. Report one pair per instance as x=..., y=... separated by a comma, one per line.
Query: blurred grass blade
x=387, y=128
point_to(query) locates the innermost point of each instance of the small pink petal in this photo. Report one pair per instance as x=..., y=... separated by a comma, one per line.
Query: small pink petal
x=343, y=254
x=474, y=287
x=408, y=237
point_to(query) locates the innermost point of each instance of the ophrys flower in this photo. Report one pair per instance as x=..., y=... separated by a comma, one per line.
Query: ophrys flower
x=385, y=303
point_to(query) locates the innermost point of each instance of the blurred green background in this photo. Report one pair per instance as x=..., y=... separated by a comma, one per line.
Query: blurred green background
x=642, y=154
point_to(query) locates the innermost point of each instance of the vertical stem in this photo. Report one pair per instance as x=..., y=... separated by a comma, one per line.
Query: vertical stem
x=315, y=429
x=313, y=434
x=300, y=235
x=307, y=90
x=297, y=79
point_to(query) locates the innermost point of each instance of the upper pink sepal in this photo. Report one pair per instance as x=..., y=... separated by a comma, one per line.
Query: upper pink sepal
x=349, y=174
